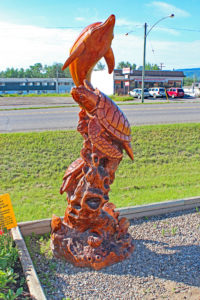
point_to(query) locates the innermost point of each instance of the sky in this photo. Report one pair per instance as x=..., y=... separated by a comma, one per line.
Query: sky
x=33, y=31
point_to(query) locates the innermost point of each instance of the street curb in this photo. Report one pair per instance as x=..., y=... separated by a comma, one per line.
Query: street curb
x=34, y=286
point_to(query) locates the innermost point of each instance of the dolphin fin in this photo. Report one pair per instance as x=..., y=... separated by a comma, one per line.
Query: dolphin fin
x=110, y=60
x=74, y=55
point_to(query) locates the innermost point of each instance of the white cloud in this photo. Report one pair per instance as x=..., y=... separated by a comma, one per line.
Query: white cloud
x=80, y=19
x=167, y=30
x=134, y=26
x=125, y=22
x=22, y=46
x=172, y=54
x=166, y=8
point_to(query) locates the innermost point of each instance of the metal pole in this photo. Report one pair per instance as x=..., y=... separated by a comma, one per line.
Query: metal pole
x=57, y=87
x=144, y=61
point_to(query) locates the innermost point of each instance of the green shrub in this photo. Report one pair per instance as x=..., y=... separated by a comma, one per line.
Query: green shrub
x=8, y=258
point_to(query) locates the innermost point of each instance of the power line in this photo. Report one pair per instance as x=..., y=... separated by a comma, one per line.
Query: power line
x=183, y=29
x=117, y=26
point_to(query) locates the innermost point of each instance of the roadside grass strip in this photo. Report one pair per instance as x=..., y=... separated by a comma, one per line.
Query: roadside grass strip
x=166, y=167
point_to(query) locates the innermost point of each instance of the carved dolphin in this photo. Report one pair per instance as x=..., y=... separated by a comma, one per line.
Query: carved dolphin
x=93, y=43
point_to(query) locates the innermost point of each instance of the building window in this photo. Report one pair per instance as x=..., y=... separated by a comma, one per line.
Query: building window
x=171, y=83
x=37, y=83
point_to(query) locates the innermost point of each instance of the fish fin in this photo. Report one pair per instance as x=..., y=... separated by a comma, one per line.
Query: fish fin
x=74, y=55
x=110, y=60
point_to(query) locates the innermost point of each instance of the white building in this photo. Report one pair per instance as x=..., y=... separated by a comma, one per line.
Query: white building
x=103, y=81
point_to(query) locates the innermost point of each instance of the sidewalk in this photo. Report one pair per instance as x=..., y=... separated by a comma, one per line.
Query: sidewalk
x=26, y=102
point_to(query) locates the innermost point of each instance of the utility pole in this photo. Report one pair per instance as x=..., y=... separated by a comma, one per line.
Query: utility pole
x=144, y=60
x=161, y=66
x=144, y=52
x=57, y=87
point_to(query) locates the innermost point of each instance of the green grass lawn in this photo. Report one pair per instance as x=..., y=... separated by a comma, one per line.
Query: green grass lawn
x=166, y=167
x=114, y=97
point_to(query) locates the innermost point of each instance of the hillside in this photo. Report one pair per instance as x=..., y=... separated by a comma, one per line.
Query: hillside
x=191, y=72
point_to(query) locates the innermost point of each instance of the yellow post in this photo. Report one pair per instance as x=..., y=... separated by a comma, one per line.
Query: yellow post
x=166, y=94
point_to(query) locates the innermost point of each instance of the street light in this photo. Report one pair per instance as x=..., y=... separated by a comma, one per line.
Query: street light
x=144, y=52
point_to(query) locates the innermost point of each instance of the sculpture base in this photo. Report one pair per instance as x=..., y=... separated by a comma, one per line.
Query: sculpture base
x=95, y=248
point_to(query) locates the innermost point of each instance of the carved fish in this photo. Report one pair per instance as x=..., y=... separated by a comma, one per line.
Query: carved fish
x=93, y=43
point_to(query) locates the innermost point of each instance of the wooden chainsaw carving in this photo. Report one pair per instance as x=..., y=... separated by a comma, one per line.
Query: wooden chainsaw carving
x=92, y=234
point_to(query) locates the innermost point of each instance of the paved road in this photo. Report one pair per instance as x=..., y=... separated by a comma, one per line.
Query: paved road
x=67, y=117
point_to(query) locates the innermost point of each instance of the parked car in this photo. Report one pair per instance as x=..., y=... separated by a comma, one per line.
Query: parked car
x=175, y=92
x=137, y=93
x=157, y=92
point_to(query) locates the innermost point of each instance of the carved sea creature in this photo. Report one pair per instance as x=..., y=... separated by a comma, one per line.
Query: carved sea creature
x=73, y=171
x=91, y=233
x=106, y=119
x=93, y=43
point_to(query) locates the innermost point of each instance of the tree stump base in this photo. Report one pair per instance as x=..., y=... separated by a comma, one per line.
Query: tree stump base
x=106, y=241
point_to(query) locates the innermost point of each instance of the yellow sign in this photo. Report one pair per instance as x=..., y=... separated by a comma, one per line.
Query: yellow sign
x=7, y=216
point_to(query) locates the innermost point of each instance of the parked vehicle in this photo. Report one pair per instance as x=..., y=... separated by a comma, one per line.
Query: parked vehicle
x=137, y=93
x=175, y=92
x=157, y=92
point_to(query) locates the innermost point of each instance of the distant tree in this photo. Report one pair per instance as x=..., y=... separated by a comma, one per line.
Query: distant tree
x=10, y=73
x=127, y=64
x=150, y=66
x=189, y=80
x=21, y=73
x=28, y=73
x=37, y=71
x=100, y=66
x=134, y=66
x=66, y=73
x=123, y=64
x=55, y=71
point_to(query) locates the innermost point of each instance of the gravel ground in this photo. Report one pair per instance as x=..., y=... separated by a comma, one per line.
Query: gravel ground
x=164, y=265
